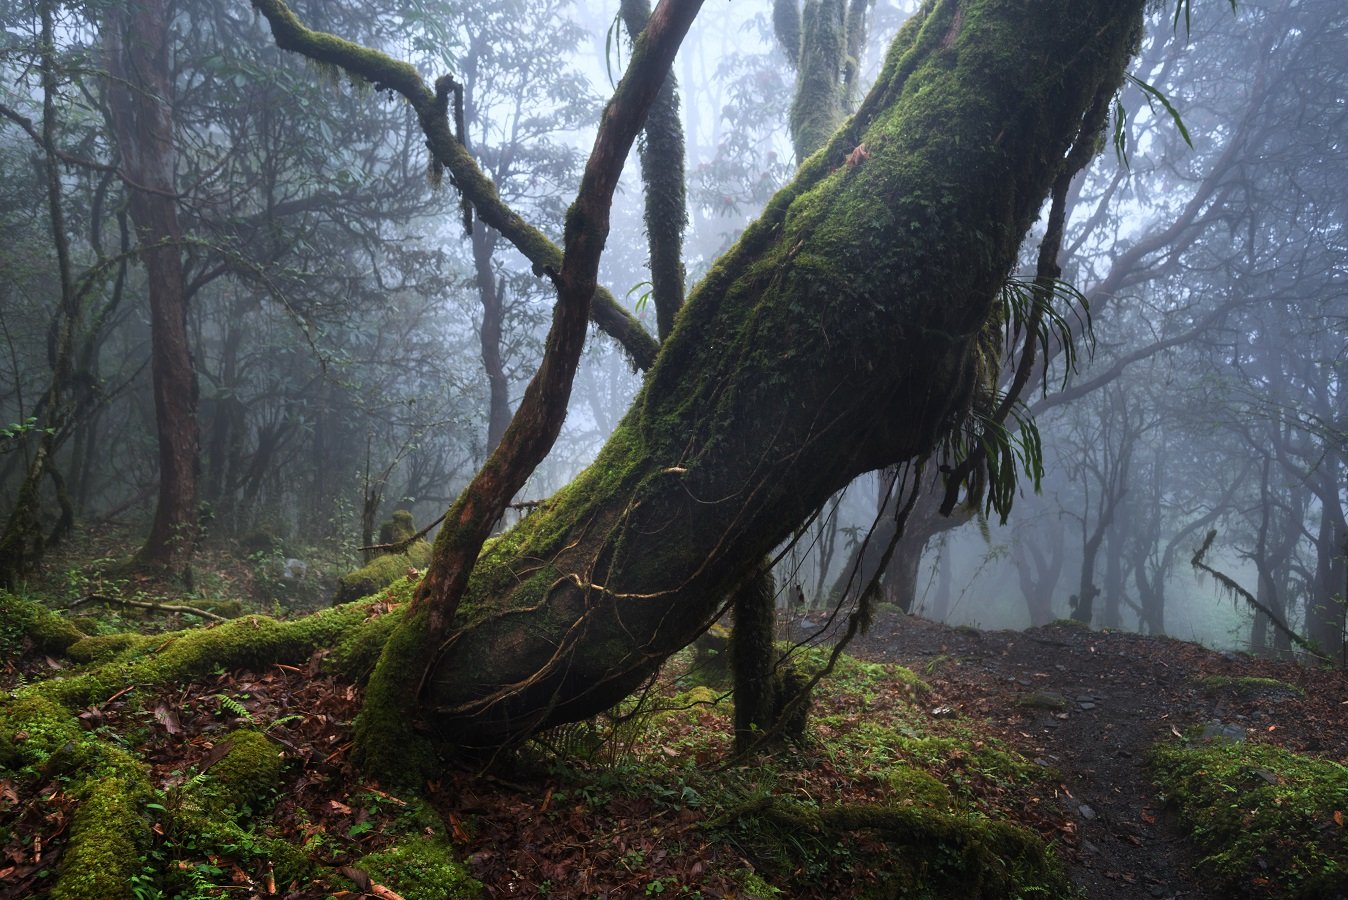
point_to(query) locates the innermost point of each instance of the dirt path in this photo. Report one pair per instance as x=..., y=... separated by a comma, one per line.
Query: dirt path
x=1090, y=705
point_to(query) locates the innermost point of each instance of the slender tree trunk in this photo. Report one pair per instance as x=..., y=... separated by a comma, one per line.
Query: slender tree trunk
x=1038, y=574
x=662, y=171
x=1325, y=611
x=136, y=42
x=491, y=293
x=1112, y=612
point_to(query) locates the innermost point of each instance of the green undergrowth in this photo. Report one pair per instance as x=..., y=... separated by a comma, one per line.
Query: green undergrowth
x=192, y=832
x=882, y=799
x=1269, y=822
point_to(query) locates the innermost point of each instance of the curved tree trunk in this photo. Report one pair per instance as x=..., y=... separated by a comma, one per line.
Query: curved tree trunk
x=840, y=335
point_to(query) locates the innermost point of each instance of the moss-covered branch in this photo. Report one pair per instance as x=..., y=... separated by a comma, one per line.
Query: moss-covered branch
x=432, y=109
x=1232, y=587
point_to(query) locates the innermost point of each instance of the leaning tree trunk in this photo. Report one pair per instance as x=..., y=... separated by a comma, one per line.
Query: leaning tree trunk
x=840, y=335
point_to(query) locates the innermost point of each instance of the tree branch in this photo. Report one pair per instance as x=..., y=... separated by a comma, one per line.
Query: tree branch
x=433, y=114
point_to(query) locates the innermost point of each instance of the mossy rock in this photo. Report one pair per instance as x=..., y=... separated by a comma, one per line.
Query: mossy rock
x=245, y=777
x=711, y=655
x=380, y=572
x=28, y=624
x=399, y=527
x=1245, y=686
x=1049, y=700
x=420, y=868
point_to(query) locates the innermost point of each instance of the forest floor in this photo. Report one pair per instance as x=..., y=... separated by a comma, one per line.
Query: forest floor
x=1050, y=729
x=1091, y=705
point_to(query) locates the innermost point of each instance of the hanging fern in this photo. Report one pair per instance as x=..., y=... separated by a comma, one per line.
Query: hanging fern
x=1007, y=453
x=1035, y=304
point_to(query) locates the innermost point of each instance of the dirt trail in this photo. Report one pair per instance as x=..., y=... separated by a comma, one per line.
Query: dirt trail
x=1090, y=705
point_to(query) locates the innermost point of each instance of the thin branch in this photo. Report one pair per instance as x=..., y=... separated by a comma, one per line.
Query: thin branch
x=143, y=604
x=1230, y=585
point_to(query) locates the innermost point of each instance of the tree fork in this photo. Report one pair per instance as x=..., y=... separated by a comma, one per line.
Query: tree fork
x=841, y=334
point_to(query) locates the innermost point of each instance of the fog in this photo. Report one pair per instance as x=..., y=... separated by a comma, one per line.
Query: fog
x=354, y=352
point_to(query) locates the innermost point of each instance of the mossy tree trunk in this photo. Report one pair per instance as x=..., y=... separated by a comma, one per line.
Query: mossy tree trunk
x=662, y=173
x=840, y=335
x=823, y=42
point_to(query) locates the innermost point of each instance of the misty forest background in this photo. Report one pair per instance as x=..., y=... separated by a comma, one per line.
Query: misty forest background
x=351, y=352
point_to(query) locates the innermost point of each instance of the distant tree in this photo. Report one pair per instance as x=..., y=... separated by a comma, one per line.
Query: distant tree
x=61, y=300
x=140, y=105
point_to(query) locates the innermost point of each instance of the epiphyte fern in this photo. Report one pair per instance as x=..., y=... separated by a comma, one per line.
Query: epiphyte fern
x=1043, y=306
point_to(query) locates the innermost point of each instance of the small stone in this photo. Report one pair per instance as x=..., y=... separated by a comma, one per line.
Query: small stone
x=1086, y=812
x=1220, y=733
x=1085, y=704
x=1043, y=700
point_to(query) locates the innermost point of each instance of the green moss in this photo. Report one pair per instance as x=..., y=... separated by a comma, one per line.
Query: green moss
x=107, y=838
x=183, y=655
x=1069, y=623
x=225, y=836
x=244, y=778
x=386, y=743
x=399, y=527
x=105, y=646
x=420, y=868
x=852, y=676
x=357, y=653
x=22, y=619
x=929, y=854
x=1050, y=700
x=1267, y=820
x=381, y=572
x=917, y=787
x=32, y=729
x=1248, y=686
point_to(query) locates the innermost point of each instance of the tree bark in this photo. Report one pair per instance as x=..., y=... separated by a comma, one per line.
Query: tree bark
x=840, y=335
x=491, y=291
x=136, y=41
x=662, y=172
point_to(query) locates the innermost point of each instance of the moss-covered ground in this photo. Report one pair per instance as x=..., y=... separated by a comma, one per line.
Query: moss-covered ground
x=218, y=761
x=1269, y=822
x=177, y=764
